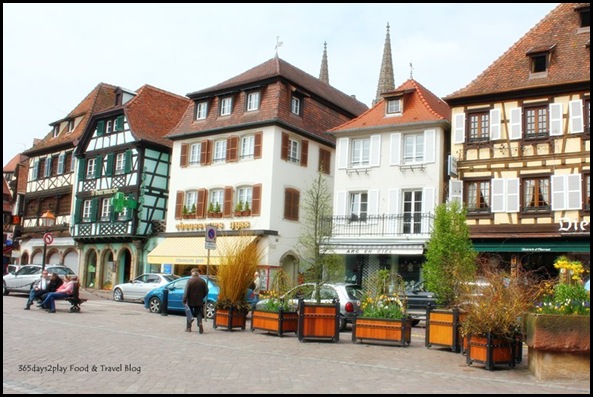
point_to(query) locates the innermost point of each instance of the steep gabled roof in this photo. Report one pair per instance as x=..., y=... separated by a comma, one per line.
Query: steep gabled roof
x=559, y=33
x=277, y=67
x=100, y=98
x=419, y=105
x=12, y=164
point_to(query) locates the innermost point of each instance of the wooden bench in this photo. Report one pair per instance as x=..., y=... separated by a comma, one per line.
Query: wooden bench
x=75, y=300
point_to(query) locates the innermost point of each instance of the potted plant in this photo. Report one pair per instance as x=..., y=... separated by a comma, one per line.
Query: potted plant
x=450, y=266
x=557, y=332
x=276, y=313
x=246, y=210
x=192, y=214
x=237, y=265
x=492, y=323
x=383, y=315
x=184, y=212
x=239, y=208
x=214, y=210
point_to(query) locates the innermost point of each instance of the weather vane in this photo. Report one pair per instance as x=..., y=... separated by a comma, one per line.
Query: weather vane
x=278, y=44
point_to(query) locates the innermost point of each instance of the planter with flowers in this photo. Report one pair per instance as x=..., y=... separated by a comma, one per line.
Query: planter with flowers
x=492, y=324
x=275, y=313
x=383, y=315
x=557, y=332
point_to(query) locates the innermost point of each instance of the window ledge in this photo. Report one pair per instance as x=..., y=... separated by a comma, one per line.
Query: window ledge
x=358, y=171
x=412, y=167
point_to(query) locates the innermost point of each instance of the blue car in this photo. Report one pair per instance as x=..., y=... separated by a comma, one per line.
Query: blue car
x=153, y=300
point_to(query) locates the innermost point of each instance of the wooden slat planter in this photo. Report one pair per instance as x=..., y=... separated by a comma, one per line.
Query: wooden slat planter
x=491, y=351
x=279, y=322
x=381, y=329
x=229, y=319
x=443, y=328
x=319, y=321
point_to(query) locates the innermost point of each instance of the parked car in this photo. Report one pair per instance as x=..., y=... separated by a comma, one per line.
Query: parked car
x=153, y=300
x=350, y=296
x=136, y=289
x=22, y=280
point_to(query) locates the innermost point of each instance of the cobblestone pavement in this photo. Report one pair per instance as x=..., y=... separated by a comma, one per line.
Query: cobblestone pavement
x=111, y=347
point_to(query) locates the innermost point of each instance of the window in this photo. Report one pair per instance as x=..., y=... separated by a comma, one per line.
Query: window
x=109, y=128
x=106, y=209
x=219, y=151
x=124, y=214
x=413, y=148
x=61, y=163
x=479, y=126
x=412, y=211
x=225, y=106
x=191, y=200
x=72, y=161
x=539, y=63
x=70, y=125
x=56, y=130
x=361, y=152
x=195, y=153
x=295, y=105
x=120, y=162
x=252, y=101
x=291, y=204
x=587, y=103
x=201, y=110
x=47, y=170
x=217, y=198
x=294, y=151
x=91, y=168
x=585, y=16
x=244, y=195
x=394, y=106
x=86, y=210
x=587, y=182
x=247, y=146
x=536, y=122
x=478, y=196
x=359, y=203
x=536, y=194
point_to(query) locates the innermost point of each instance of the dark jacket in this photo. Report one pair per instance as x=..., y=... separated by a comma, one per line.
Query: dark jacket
x=54, y=284
x=196, y=291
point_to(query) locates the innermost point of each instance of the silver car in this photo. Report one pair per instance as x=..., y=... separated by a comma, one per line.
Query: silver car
x=136, y=289
x=350, y=296
x=22, y=280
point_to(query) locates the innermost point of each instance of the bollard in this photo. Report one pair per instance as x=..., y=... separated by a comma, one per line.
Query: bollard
x=165, y=302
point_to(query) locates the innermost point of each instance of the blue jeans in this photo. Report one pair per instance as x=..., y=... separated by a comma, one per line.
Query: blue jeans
x=49, y=301
x=34, y=294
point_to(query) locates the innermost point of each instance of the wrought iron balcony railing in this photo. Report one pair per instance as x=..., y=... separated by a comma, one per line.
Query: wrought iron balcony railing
x=390, y=225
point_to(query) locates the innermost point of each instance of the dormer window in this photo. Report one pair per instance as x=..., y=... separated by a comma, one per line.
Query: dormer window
x=585, y=15
x=56, y=130
x=540, y=60
x=201, y=110
x=295, y=105
x=539, y=63
x=394, y=106
x=70, y=125
x=225, y=106
x=253, y=101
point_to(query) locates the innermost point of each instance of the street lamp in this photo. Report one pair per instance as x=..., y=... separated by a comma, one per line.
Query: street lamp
x=48, y=219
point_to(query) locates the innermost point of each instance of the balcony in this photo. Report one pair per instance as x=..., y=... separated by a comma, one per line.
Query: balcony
x=398, y=225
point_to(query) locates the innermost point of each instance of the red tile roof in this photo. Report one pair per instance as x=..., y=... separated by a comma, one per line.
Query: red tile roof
x=570, y=56
x=11, y=165
x=419, y=105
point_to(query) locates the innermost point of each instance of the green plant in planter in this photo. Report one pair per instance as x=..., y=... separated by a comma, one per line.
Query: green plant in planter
x=217, y=207
x=273, y=299
x=382, y=296
x=246, y=206
x=211, y=207
x=239, y=206
x=184, y=211
x=193, y=208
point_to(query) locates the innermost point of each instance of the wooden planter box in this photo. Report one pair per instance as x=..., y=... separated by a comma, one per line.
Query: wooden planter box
x=558, y=346
x=443, y=328
x=381, y=329
x=279, y=322
x=319, y=321
x=230, y=319
x=491, y=351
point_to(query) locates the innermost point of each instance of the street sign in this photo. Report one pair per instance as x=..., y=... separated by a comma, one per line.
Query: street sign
x=210, y=237
x=48, y=238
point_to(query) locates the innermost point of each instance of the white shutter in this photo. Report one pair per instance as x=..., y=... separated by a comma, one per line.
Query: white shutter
x=494, y=124
x=340, y=203
x=498, y=186
x=455, y=191
x=342, y=155
x=459, y=128
x=375, y=160
x=555, y=119
x=393, y=201
x=428, y=200
x=395, y=154
x=575, y=109
x=429, y=146
x=516, y=128
x=558, y=199
x=573, y=192
x=512, y=195
x=373, y=202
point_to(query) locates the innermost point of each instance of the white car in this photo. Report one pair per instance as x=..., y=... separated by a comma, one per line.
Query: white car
x=136, y=289
x=22, y=280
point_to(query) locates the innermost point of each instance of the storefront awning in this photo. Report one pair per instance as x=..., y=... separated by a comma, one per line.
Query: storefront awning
x=377, y=249
x=192, y=250
x=532, y=246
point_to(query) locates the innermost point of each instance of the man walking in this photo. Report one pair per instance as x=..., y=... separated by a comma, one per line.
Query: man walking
x=194, y=296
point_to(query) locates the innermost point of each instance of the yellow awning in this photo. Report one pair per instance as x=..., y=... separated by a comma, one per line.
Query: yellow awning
x=192, y=250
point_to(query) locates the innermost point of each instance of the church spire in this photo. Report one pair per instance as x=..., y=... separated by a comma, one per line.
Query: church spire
x=324, y=72
x=386, y=81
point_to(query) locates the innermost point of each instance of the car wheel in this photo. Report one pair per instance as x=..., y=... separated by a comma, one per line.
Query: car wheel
x=415, y=322
x=342, y=324
x=5, y=290
x=210, y=310
x=154, y=305
x=118, y=295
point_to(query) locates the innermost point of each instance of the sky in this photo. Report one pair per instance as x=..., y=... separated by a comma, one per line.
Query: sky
x=56, y=54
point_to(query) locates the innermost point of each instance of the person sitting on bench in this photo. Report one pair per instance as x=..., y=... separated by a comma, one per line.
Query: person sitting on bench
x=64, y=291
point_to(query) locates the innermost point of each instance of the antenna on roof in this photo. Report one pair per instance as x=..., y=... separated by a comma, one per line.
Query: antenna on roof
x=278, y=44
x=411, y=69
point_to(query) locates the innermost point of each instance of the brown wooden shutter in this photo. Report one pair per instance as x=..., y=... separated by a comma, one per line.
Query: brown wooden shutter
x=183, y=159
x=256, y=200
x=227, y=208
x=324, y=161
x=201, y=204
x=257, y=145
x=291, y=204
x=284, y=150
x=231, y=149
x=304, y=153
x=206, y=153
x=179, y=204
